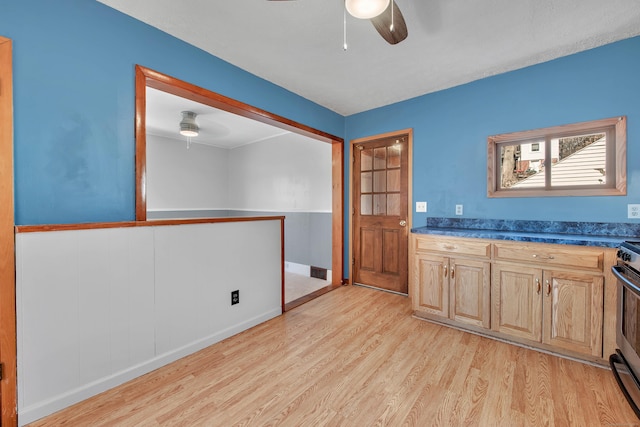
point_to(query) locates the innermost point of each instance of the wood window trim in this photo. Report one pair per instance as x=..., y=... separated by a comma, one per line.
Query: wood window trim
x=619, y=189
x=146, y=77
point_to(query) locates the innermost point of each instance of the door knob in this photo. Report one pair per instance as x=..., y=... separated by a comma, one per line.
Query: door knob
x=403, y=223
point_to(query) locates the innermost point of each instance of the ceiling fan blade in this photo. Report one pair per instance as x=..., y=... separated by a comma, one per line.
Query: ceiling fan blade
x=383, y=22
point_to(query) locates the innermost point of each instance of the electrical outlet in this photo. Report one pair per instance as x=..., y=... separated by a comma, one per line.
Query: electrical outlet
x=421, y=206
x=633, y=211
x=458, y=209
x=235, y=297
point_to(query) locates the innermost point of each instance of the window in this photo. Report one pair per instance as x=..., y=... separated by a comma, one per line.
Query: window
x=582, y=159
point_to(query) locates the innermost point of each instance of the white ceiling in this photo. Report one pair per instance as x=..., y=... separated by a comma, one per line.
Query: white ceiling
x=217, y=128
x=298, y=44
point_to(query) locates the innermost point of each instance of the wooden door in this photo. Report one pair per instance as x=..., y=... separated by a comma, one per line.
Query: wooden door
x=470, y=292
x=380, y=222
x=431, y=277
x=516, y=293
x=573, y=311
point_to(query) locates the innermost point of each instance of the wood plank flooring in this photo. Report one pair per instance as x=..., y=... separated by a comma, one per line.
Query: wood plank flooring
x=356, y=357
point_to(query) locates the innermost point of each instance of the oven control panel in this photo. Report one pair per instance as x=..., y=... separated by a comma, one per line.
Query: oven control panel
x=629, y=254
x=624, y=256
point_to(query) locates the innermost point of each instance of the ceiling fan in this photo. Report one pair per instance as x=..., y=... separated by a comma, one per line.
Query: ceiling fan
x=385, y=16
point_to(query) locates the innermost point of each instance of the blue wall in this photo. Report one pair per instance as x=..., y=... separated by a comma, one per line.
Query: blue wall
x=74, y=98
x=451, y=129
x=74, y=107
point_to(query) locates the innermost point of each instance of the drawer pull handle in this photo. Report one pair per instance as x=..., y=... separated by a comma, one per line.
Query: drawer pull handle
x=548, y=288
x=449, y=247
x=539, y=286
x=453, y=273
x=445, y=271
x=543, y=257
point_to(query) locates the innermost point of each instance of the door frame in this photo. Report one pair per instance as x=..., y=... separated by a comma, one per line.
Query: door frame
x=8, y=349
x=352, y=144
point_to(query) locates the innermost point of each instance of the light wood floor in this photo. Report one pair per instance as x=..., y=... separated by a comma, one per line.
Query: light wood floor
x=356, y=357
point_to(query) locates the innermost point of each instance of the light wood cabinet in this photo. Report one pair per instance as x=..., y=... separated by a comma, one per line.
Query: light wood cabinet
x=431, y=293
x=558, y=308
x=546, y=295
x=553, y=294
x=470, y=292
x=573, y=311
x=456, y=288
x=516, y=307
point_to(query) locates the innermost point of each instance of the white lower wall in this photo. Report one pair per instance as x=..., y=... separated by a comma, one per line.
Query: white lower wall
x=99, y=307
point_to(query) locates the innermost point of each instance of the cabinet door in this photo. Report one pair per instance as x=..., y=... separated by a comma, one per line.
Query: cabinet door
x=573, y=310
x=516, y=295
x=470, y=292
x=431, y=279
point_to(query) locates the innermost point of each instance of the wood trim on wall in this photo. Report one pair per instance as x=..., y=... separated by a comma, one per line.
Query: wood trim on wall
x=146, y=77
x=8, y=399
x=337, y=212
x=126, y=224
x=141, y=144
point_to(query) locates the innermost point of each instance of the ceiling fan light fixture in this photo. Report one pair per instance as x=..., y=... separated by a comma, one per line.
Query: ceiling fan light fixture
x=366, y=9
x=188, y=125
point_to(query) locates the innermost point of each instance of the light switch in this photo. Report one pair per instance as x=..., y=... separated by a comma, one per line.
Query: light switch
x=421, y=206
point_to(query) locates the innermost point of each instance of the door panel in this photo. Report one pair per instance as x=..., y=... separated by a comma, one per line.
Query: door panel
x=517, y=294
x=367, y=249
x=390, y=242
x=573, y=311
x=433, y=291
x=470, y=292
x=380, y=199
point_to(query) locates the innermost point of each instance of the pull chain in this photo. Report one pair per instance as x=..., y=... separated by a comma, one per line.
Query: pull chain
x=344, y=28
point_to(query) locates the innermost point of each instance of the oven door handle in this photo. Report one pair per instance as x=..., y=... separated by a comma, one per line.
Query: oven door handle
x=617, y=359
x=617, y=271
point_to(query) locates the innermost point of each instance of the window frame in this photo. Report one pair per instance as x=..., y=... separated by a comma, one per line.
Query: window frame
x=616, y=159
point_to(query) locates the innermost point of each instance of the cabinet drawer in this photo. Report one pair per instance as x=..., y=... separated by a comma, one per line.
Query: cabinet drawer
x=472, y=247
x=552, y=255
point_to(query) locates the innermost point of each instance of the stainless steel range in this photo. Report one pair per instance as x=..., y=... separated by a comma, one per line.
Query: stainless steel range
x=625, y=363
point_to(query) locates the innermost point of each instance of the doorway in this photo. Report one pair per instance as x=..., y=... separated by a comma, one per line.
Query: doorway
x=381, y=215
x=146, y=78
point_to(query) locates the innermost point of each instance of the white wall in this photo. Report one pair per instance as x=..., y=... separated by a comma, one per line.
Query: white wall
x=281, y=174
x=285, y=173
x=99, y=307
x=185, y=179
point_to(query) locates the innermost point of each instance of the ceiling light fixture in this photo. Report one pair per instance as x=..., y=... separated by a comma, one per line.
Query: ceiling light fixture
x=188, y=125
x=366, y=9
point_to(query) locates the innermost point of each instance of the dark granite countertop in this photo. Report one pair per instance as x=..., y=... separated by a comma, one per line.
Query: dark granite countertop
x=601, y=234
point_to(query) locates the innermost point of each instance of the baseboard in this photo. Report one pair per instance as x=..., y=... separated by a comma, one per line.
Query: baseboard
x=35, y=412
x=303, y=269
